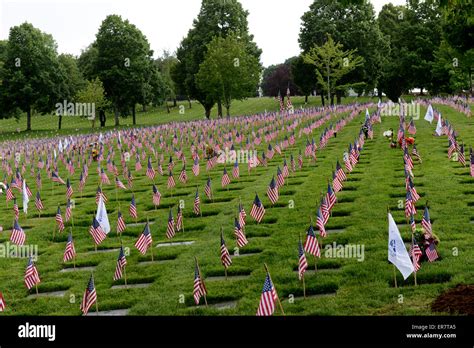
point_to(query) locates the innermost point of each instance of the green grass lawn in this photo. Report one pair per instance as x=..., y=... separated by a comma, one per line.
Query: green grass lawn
x=339, y=287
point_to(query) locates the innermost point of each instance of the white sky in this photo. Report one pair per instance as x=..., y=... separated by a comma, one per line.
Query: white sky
x=74, y=23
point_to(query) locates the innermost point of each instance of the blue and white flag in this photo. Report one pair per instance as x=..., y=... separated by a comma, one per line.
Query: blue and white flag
x=397, y=252
x=102, y=217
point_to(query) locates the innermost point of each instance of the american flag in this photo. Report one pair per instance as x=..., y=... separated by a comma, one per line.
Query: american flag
x=183, y=177
x=59, y=220
x=239, y=234
x=179, y=219
x=272, y=191
x=170, y=228
x=415, y=253
x=347, y=163
x=257, y=211
x=270, y=151
x=302, y=263
x=82, y=181
x=431, y=252
x=208, y=189
x=461, y=156
x=451, y=148
x=171, y=182
x=121, y=263
x=292, y=163
x=225, y=178
x=38, y=202
x=426, y=223
x=55, y=177
x=119, y=184
x=330, y=197
x=104, y=179
x=242, y=215
x=89, y=298
x=308, y=151
x=197, y=203
x=170, y=164
x=70, y=251
x=415, y=153
x=289, y=105
x=69, y=190
x=285, y=170
x=98, y=194
x=31, y=275
x=282, y=104
x=18, y=236
x=145, y=240
x=2, y=303
x=150, y=172
x=280, y=178
x=325, y=210
x=199, y=287
x=471, y=154
x=266, y=306
x=407, y=158
x=195, y=168
x=97, y=232
x=28, y=191
x=235, y=170
x=300, y=160
x=9, y=193
x=311, y=244
x=16, y=211
x=415, y=196
x=156, y=195
x=120, y=223
x=409, y=205
x=225, y=256
x=320, y=223
x=133, y=208
x=341, y=175
x=68, y=213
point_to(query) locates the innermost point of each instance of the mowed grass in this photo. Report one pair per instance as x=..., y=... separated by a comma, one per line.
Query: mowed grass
x=47, y=125
x=339, y=287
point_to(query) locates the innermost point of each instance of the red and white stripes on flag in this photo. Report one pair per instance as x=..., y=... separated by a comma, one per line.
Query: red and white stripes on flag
x=121, y=263
x=268, y=298
x=89, y=298
x=31, y=275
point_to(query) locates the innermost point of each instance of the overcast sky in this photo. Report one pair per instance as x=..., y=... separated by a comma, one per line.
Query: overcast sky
x=74, y=23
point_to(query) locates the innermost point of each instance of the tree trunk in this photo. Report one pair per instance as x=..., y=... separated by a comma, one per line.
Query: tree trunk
x=208, y=111
x=116, y=114
x=28, y=119
x=332, y=99
x=175, y=104
x=144, y=108
x=338, y=97
x=60, y=121
x=379, y=93
x=167, y=107
x=134, y=116
x=227, y=108
x=322, y=99
x=219, y=109
x=190, y=104
x=306, y=99
x=421, y=91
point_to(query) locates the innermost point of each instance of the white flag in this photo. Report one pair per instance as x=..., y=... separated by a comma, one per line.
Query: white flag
x=25, y=198
x=439, y=126
x=397, y=253
x=102, y=217
x=429, y=116
x=367, y=115
x=60, y=146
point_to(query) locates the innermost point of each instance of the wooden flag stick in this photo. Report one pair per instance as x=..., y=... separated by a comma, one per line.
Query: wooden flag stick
x=394, y=271
x=304, y=286
x=151, y=247
x=36, y=286
x=278, y=298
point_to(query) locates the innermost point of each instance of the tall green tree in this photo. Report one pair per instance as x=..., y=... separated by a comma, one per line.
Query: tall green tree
x=73, y=80
x=304, y=77
x=166, y=64
x=32, y=77
x=93, y=93
x=332, y=63
x=228, y=71
x=123, y=61
x=216, y=18
x=353, y=24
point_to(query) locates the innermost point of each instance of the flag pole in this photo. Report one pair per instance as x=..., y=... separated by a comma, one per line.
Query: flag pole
x=278, y=298
x=151, y=247
x=124, y=267
x=315, y=259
